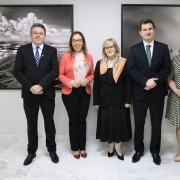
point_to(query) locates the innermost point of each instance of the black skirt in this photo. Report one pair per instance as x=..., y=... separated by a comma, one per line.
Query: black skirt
x=113, y=124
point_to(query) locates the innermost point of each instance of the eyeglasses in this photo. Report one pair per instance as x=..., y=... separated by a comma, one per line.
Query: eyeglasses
x=77, y=40
x=110, y=47
x=36, y=33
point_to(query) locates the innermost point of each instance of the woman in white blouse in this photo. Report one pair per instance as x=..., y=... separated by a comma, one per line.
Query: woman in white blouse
x=76, y=74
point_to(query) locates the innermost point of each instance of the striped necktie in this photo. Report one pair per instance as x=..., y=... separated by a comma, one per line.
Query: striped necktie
x=148, y=53
x=37, y=58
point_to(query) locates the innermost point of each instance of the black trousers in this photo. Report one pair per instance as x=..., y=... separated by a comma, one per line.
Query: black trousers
x=77, y=105
x=156, y=107
x=31, y=108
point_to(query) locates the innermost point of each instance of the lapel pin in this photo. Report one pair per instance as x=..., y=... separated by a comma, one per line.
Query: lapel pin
x=42, y=55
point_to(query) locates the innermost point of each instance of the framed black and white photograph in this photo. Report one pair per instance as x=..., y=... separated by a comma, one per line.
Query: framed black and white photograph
x=15, y=24
x=166, y=20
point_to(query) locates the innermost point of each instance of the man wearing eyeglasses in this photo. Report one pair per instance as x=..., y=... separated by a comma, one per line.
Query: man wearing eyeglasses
x=148, y=65
x=36, y=67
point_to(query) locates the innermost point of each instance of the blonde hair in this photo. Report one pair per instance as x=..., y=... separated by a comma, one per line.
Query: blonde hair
x=106, y=42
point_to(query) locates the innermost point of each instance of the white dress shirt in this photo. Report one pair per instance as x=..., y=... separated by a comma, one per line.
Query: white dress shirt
x=40, y=49
x=151, y=48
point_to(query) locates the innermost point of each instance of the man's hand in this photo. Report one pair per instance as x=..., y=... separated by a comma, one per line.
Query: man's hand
x=41, y=92
x=36, y=89
x=151, y=83
x=97, y=106
x=146, y=88
x=127, y=105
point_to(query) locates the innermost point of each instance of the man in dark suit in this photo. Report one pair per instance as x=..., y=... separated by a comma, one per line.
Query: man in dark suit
x=36, y=68
x=148, y=65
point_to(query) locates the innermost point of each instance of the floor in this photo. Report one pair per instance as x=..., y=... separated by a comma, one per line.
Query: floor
x=97, y=166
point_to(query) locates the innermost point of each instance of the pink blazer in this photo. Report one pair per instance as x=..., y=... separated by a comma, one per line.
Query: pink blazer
x=66, y=73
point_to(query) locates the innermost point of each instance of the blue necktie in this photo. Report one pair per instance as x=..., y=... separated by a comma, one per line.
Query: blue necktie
x=37, y=58
x=148, y=53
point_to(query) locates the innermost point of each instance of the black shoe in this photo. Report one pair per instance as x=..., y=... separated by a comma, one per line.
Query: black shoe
x=156, y=159
x=29, y=159
x=54, y=157
x=110, y=154
x=120, y=157
x=136, y=157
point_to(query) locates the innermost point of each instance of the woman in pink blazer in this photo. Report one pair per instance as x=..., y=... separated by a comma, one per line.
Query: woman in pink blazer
x=76, y=73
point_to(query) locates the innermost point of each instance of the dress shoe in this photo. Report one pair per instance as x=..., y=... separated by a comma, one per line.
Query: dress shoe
x=84, y=155
x=110, y=154
x=77, y=156
x=120, y=157
x=54, y=157
x=156, y=159
x=176, y=158
x=136, y=157
x=29, y=159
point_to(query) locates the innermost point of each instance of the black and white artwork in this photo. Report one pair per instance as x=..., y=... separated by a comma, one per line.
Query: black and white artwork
x=165, y=18
x=15, y=24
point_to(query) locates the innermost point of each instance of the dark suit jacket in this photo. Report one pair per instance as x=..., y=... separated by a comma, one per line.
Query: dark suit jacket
x=28, y=74
x=140, y=71
x=104, y=93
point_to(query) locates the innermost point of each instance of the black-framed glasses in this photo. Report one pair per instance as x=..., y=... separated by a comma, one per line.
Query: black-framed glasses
x=77, y=40
x=109, y=47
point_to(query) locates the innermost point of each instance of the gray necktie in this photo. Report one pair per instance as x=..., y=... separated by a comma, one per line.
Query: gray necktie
x=148, y=53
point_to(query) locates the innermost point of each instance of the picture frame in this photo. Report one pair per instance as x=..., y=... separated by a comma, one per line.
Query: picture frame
x=15, y=31
x=165, y=18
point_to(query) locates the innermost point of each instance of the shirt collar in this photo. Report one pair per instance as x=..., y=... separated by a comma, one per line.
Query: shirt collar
x=145, y=43
x=40, y=47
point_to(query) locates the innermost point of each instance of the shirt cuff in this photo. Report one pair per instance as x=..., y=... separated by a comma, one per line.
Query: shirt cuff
x=41, y=87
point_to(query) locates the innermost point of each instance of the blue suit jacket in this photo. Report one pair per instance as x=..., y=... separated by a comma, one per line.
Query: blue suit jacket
x=140, y=72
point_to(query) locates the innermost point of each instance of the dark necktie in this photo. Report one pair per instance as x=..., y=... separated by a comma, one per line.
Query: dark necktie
x=148, y=53
x=37, y=58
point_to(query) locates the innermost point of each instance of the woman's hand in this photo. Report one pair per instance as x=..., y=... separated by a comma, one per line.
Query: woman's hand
x=127, y=105
x=177, y=92
x=85, y=82
x=97, y=106
x=76, y=84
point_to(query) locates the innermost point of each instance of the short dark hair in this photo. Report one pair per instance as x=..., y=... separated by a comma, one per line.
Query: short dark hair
x=146, y=21
x=38, y=25
x=84, y=48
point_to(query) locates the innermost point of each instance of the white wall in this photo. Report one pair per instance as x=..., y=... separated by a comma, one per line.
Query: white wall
x=98, y=20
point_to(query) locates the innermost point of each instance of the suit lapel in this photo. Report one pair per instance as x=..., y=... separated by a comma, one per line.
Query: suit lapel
x=71, y=63
x=144, y=56
x=31, y=54
x=72, y=60
x=155, y=52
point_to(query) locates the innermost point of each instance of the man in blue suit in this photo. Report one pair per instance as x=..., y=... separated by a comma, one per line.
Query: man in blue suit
x=148, y=65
